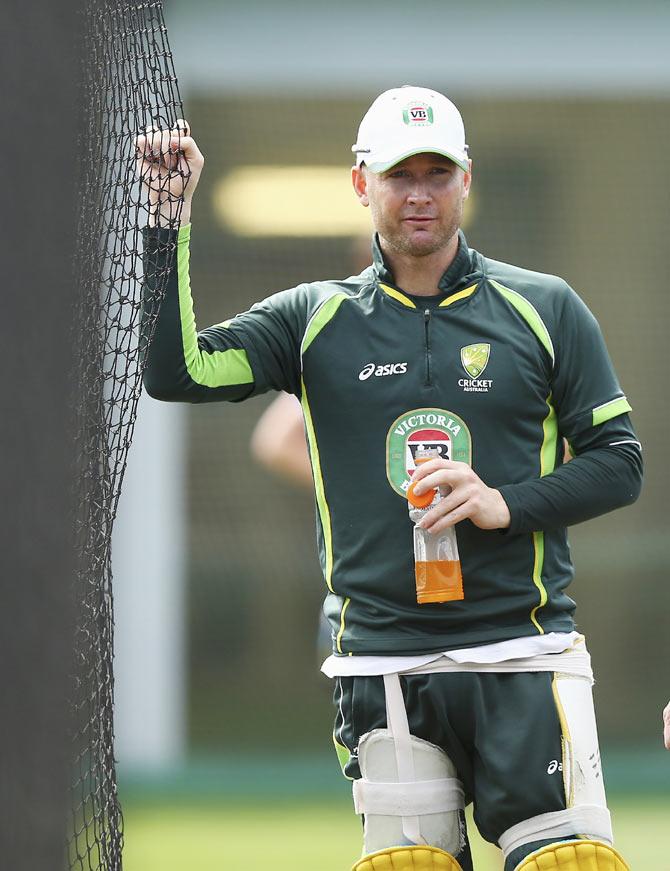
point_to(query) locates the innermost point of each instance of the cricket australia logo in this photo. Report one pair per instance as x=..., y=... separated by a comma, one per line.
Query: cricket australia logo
x=434, y=428
x=475, y=359
x=418, y=114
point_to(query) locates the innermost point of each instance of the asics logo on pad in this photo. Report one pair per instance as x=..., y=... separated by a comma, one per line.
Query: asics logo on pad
x=554, y=766
x=379, y=369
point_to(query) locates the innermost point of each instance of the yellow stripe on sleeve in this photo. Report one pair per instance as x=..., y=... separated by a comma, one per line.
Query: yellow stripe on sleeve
x=215, y=369
x=608, y=410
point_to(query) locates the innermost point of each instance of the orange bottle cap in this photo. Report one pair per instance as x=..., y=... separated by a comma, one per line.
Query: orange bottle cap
x=422, y=500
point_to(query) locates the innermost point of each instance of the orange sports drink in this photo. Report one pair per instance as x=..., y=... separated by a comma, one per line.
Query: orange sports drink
x=437, y=567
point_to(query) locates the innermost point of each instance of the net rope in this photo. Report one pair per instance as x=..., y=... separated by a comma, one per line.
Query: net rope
x=128, y=85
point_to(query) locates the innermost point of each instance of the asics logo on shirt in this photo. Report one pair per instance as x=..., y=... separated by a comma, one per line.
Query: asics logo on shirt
x=381, y=369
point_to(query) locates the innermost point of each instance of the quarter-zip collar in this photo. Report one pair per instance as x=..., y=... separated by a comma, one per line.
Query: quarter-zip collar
x=462, y=267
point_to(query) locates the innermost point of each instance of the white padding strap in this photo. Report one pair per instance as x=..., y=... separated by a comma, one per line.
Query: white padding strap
x=398, y=726
x=590, y=821
x=408, y=799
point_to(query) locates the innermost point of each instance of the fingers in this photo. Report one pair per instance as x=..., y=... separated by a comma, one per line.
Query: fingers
x=183, y=126
x=430, y=466
x=160, y=145
x=436, y=473
x=148, y=144
x=462, y=512
x=457, y=500
x=484, y=506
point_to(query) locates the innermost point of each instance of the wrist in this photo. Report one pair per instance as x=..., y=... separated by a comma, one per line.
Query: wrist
x=503, y=514
x=169, y=214
x=185, y=214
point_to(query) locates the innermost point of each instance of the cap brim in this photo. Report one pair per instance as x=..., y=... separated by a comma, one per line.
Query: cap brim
x=384, y=162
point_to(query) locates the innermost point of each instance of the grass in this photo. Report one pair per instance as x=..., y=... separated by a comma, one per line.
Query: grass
x=323, y=835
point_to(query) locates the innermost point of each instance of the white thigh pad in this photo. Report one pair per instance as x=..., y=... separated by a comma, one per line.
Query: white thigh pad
x=396, y=813
x=586, y=814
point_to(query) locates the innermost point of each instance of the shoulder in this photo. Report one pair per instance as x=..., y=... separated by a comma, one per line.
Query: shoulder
x=546, y=302
x=311, y=295
x=541, y=288
x=351, y=287
x=302, y=311
x=550, y=295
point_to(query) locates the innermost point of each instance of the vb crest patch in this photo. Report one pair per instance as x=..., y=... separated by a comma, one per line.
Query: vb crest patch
x=418, y=114
x=435, y=428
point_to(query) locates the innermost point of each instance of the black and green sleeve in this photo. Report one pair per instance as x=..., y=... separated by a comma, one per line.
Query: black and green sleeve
x=605, y=474
x=249, y=354
x=592, y=414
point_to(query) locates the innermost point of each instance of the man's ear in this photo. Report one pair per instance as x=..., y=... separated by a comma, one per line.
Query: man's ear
x=467, y=181
x=360, y=183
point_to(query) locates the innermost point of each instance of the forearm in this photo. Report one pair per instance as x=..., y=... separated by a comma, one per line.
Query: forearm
x=181, y=365
x=605, y=476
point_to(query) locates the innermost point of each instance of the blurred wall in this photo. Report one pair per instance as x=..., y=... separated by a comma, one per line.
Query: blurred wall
x=483, y=47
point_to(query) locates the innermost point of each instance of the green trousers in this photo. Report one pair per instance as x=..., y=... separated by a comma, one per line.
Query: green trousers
x=501, y=731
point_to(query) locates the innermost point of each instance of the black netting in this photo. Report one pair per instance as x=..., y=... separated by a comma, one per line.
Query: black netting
x=128, y=85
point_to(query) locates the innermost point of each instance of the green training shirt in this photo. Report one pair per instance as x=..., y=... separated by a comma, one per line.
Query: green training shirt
x=493, y=371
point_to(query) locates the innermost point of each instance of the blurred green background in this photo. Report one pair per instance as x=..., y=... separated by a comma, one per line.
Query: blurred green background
x=567, y=114
x=324, y=835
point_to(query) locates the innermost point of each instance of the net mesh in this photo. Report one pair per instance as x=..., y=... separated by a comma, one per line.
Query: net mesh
x=128, y=85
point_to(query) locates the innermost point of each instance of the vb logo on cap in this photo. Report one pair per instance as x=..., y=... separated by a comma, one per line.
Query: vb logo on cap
x=417, y=113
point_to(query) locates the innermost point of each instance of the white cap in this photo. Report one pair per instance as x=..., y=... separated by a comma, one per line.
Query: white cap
x=406, y=121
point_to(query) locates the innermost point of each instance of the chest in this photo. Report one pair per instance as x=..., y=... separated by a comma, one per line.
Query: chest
x=478, y=359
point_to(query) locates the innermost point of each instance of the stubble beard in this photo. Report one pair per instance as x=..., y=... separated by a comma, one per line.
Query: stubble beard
x=400, y=242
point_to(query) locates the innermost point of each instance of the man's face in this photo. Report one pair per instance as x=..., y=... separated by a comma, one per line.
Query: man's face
x=416, y=205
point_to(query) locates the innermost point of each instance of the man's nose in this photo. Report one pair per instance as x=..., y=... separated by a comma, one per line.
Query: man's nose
x=419, y=193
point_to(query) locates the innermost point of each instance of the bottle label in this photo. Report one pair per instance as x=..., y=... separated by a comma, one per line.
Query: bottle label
x=420, y=429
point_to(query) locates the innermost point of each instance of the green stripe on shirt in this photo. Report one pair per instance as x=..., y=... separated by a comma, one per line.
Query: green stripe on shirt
x=530, y=315
x=610, y=409
x=323, y=315
x=208, y=368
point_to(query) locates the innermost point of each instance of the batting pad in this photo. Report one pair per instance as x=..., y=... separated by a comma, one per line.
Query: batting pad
x=573, y=856
x=408, y=859
x=409, y=794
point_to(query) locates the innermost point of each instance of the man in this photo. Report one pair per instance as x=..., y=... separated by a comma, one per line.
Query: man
x=487, y=699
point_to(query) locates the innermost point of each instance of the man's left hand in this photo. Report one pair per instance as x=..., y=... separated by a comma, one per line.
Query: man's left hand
x=468, y=497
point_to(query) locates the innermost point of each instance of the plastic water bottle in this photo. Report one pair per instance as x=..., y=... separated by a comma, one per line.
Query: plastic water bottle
x=437, y=566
